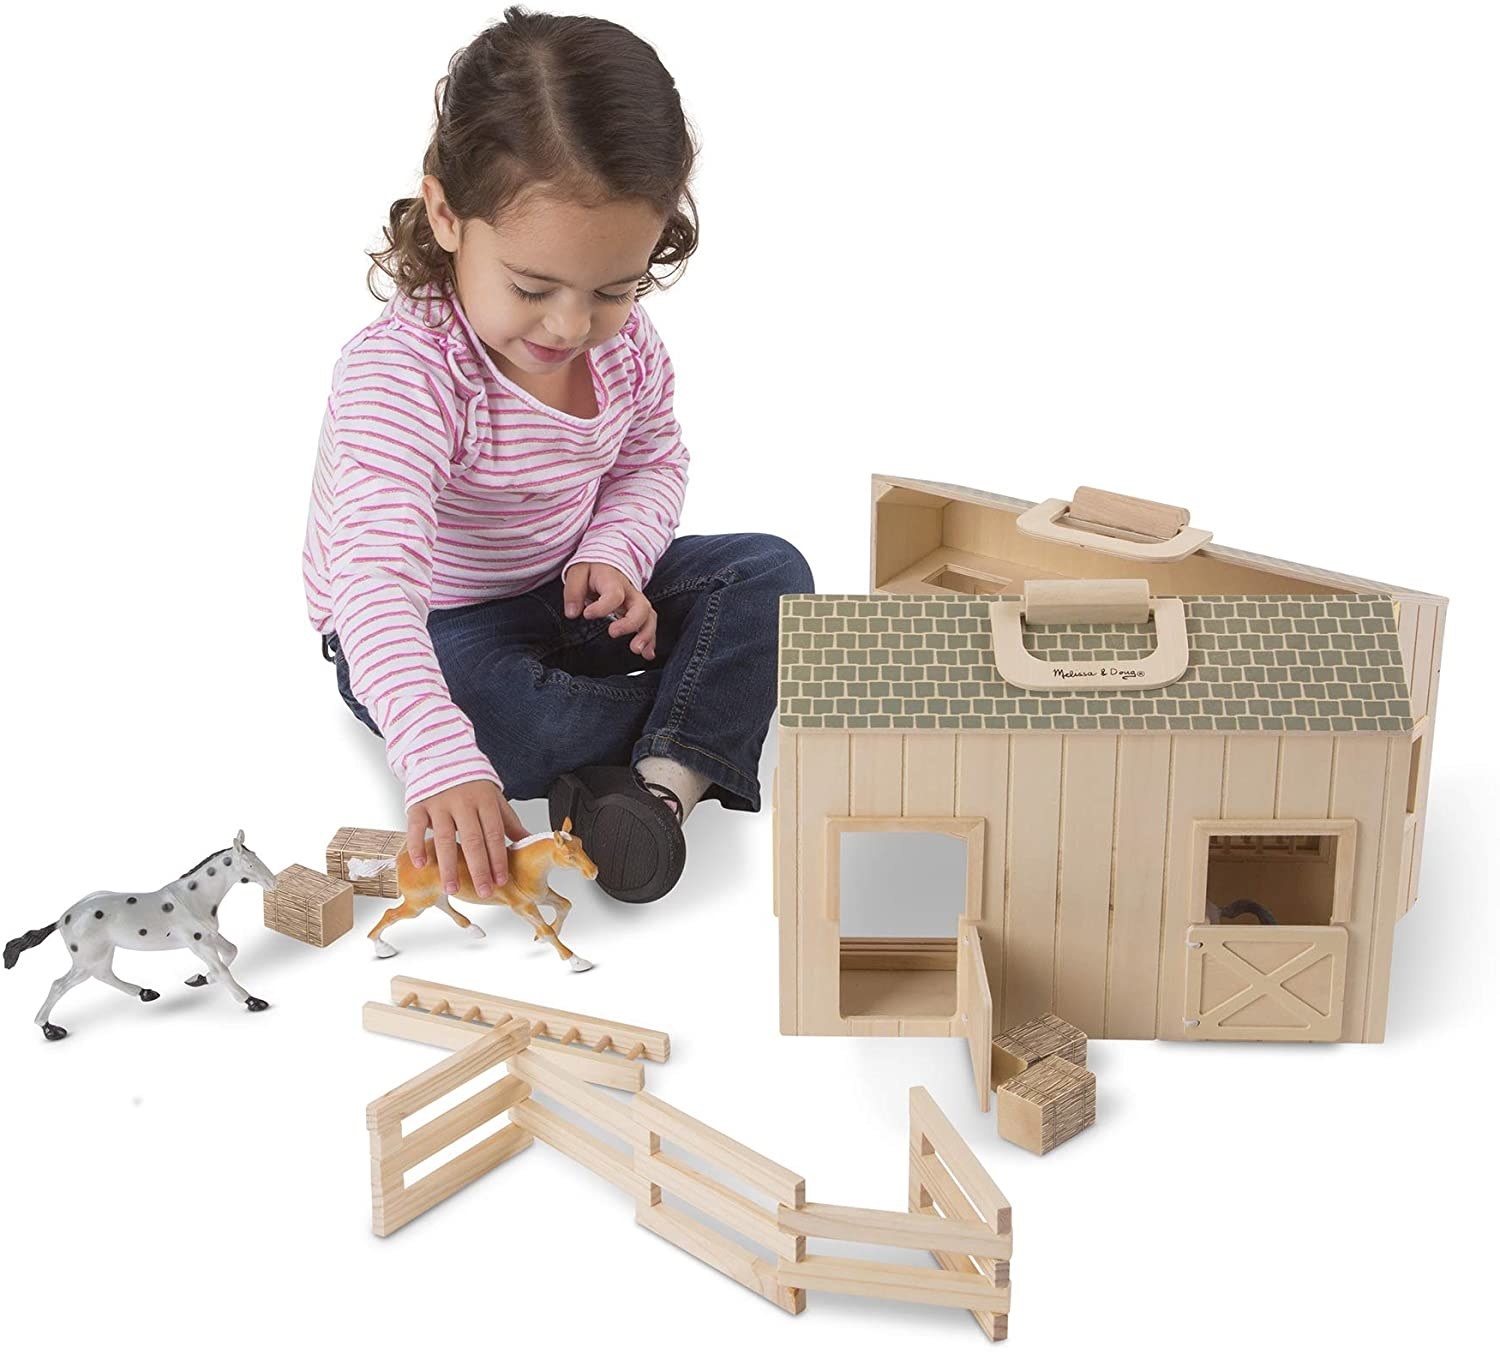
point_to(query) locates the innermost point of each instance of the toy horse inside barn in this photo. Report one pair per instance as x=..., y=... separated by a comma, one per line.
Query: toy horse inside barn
x=182, y=915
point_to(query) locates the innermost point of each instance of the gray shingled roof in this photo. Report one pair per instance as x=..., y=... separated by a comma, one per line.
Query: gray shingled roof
x=1313, y=664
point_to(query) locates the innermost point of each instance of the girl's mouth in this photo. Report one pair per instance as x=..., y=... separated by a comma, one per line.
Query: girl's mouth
x=552, y=355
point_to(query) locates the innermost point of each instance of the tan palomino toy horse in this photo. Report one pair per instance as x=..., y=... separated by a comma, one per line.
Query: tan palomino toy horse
x=526, y=888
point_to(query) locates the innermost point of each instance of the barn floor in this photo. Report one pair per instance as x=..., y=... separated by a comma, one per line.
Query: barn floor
x=898, y=992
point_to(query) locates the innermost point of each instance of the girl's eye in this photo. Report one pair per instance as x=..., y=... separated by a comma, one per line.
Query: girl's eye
x=537, y=297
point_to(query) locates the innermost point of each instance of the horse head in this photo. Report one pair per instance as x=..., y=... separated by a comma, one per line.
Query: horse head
x=568, y=851
x=248, y=865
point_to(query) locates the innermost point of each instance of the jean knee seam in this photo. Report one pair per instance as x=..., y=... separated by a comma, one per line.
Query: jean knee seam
x=688, y=686
x=723, y=577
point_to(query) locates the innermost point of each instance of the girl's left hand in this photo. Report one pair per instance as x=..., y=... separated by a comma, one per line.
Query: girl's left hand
x=594, y=590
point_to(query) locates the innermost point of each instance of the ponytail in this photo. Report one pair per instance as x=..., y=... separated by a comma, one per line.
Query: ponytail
x=412, y=257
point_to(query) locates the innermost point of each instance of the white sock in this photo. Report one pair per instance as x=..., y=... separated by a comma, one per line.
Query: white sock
x=686, y=785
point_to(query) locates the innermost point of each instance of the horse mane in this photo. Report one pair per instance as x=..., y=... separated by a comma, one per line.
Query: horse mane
x=204, y=861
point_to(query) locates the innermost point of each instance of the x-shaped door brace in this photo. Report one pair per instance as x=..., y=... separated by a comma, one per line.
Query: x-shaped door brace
x=1320, y=942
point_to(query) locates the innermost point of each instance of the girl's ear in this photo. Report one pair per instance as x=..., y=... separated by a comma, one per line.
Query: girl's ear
x=440, y=217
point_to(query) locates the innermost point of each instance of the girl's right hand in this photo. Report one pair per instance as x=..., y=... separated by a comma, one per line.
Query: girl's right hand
x=479, y=816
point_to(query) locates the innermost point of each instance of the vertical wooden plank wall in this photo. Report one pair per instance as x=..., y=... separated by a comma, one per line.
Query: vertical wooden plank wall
x=787, y=862
x=1197, y=791
x=822, y=792
x=1030, y=924
x=1361, y=785
x=1420, y=630
x=877, y=774
x=1142, y=803
x=929, y=789
x=1252, y=763
x=929, y=785
x=1081, y=960
x=983, y=790
x=877, y=787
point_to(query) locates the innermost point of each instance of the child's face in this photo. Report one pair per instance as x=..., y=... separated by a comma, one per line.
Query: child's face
x=552, y=280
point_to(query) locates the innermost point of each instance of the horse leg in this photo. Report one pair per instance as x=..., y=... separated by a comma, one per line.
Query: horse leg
x=404, y=910
x=560, y=909
x=209, y=954
x=464, y=923
x=106, y=974
x=546, y=932
x=60, y=988
x=227, y=951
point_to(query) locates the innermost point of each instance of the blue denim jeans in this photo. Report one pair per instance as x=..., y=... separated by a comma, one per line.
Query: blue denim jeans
x=547, y=694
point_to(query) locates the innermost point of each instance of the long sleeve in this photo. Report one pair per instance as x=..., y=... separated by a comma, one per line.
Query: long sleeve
x=390, y=437
x=640, y=497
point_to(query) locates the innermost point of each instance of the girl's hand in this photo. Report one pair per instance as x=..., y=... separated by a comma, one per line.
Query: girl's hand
x=478, y=814
x=593, y=590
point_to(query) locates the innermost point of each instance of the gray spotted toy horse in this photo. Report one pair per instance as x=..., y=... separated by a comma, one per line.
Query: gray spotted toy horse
x=182, y=915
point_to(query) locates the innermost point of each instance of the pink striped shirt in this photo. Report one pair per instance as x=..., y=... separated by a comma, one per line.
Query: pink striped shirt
x=441, y=483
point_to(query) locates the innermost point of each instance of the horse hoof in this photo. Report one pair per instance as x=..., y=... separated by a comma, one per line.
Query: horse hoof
x=53, y=1032
x=384, y=950
x=254, y=1003
x=148, y=995
x=579, y=964
x=474, y=932
x=197, y=980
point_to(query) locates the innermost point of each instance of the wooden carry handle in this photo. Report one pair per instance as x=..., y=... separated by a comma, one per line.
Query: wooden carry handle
x=1103, y=600
x=1113, y=523
x=1073, y=601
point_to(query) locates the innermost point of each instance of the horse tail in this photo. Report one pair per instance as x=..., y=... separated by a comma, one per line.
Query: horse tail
x=29, y=940
x=368, y=869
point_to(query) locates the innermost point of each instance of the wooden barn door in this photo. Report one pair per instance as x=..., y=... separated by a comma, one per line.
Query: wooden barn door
x=976, y=1016
x=1270, y=983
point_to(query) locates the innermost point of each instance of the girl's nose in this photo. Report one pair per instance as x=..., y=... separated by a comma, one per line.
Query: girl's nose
x=569, y=325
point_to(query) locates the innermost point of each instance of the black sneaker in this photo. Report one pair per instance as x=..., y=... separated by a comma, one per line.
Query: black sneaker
x=631, y=830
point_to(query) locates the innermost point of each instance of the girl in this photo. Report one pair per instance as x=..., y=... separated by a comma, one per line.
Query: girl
x=490, y=556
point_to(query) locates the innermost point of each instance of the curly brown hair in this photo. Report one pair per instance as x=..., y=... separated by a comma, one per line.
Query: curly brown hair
x=579, y=104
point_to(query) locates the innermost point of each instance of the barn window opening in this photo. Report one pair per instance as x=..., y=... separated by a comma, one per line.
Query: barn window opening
x=969, y=581
x=1271, y=880
x=900, y=896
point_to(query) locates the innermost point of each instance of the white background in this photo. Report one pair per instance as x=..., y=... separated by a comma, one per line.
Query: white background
x=1241, y=257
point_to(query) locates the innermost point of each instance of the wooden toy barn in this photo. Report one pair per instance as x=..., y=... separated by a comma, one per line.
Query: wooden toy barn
x=1189, y=805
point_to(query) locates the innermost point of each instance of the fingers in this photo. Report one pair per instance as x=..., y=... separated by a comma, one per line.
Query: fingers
x=644, y=642
x=478, y=816
x=492, y=824
x=513, y=827
x=476, y=852
x=443, y=831
x=611, y=597
x=637, y=610
x=417, y=823
x=575, y=590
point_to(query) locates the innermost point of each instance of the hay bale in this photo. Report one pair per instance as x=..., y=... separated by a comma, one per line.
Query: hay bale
x=1043, y=1106
x=365, y=843
x=309, y=906
x=1024, y=1045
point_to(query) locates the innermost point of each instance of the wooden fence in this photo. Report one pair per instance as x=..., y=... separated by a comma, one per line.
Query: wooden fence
x=955, y=1211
